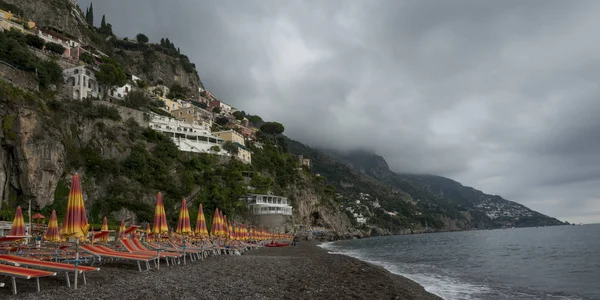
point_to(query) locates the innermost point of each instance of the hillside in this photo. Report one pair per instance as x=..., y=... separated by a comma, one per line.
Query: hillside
x=473, y=207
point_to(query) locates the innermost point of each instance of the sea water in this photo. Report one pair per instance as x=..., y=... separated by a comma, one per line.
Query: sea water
x=560, y=262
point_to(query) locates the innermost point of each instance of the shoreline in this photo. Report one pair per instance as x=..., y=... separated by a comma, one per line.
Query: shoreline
x=306, y=271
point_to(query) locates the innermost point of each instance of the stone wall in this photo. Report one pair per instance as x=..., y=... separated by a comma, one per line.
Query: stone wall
x=126, y=113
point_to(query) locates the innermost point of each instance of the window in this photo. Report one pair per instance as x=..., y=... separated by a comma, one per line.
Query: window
x=126, y=89
x=87, y=72
x=76, y=71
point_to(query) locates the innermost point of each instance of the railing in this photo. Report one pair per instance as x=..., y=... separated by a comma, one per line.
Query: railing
x=274, y=212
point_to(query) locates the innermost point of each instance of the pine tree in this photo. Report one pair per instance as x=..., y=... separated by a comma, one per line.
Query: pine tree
x=162, y=42
x=167, y=43
x=103, y=23
x=90, y=16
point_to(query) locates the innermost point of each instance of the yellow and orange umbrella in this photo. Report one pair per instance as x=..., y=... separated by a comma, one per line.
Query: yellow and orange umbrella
x=225, y=227
x=201, y=230
x=52, y=234
x=122, y=229
x=104, y=227
x=148, y=233
x=76, y=224
x=183, y=224
x=160, y=217
x=214, y=227
x=18, y=225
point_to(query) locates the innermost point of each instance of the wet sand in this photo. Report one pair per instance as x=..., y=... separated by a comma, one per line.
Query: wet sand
x=302, y=272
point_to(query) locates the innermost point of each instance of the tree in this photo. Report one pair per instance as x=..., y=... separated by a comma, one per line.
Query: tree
x=55, y=48
x=238, y=115
x=34, y=41
x=273, y=128
x=216, y=110
x=255, y=120
x=178, y=92
x=105, y=28
x=142, y=38
x=103, y=22
x=49, y=72
x=230, y=147
x=89, y=16
x=111, y=74
x=215, y=148
x=222, y=121
x=87, y=58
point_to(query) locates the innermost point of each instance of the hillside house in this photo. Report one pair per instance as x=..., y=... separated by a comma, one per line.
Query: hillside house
x=269, y=210
x=81, y=82
x=193, y=114
x=226, y=108
x=71, y=46
x=187, y=137
x=236, y=138
x=119, y=93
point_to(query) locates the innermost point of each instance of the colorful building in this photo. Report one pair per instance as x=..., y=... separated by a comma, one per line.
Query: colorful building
x=187, y=137
x=237, y=139
x=193, y=115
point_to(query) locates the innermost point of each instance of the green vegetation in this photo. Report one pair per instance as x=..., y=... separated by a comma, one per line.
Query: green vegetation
x=11, y=7
x=87, y=58
x=8, y=124
x=111, y=74
x=55, y=48
x=216, y=110
x=13, y=50
x=178, y=92
x=89, y=15
x=141, y=38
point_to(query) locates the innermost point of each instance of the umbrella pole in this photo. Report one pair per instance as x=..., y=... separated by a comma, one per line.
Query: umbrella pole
x=76, y=260
x=158, y=252
x=184, y=251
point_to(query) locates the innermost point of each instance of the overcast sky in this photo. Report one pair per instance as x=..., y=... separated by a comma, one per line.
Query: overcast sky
x=499, y=95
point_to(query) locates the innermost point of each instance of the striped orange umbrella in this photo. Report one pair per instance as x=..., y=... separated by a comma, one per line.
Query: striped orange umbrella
x=52, y=234
x=148, y=233
x=201, y=230
x=76, y=224
x=18, y=225
x=225, y=227
x=104, y=227
x=214, y=225
x=122, y=229
x=183, y=224
x=160, y=217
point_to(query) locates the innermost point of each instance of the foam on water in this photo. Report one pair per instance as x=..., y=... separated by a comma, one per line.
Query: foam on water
x=444, y=286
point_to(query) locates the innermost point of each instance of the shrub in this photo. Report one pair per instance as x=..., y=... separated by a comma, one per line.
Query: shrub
x=55, y=48
x=35, y=41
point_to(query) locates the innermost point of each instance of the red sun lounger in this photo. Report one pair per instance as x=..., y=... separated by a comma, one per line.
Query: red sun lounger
x=18, y=272
x=46, y=265
x=109, y=253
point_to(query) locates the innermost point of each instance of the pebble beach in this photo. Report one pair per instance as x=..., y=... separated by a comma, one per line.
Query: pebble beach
x=302, y=272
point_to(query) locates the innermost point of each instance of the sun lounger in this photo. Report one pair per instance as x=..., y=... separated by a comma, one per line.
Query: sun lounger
x=46, y=265
x=18, y=272
x=109, y=253
x=164, y=254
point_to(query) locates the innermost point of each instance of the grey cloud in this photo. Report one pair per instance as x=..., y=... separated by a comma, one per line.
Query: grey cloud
x=500, y=95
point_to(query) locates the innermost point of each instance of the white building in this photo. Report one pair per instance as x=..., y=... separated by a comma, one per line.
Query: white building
x=376, y=204
x=268, y=205
x=120, y=92
x=361, y=220
x=188, y=137
x=81, y=82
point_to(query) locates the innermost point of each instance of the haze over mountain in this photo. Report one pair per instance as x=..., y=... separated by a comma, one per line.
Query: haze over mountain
x=501, y=96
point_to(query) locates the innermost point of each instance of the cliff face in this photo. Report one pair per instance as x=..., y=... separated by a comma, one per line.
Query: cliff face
x=313, y=209
x=63, y=15
x=31, y=158
x=158, y=68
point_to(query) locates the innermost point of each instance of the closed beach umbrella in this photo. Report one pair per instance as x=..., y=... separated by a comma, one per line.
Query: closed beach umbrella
x=122, y=229
x=201, y=230
x=148, y=233
x=213, y=224
x=76, y=224
x=160, y=217
x=104, y=227
x=160, y=223
x=18, y=225
x=225, y=227
x=52, y=234
x=183, y=224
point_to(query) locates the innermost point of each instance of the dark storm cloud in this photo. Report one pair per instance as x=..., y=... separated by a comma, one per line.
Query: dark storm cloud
x=500, y=95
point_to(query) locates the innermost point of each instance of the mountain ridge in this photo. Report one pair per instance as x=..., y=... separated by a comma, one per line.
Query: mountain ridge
x=444, y=191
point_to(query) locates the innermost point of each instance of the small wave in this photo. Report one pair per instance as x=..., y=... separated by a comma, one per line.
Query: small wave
x=444, y=286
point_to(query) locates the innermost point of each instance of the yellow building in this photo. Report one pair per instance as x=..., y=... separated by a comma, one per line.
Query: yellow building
x=193, y=115
x=171, y=105
x=244, y=153
x=10, y=20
